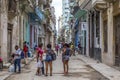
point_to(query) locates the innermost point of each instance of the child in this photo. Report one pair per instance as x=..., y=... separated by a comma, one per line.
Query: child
x=39, y=66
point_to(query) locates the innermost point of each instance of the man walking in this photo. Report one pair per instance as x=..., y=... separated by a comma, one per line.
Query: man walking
x=17, y=59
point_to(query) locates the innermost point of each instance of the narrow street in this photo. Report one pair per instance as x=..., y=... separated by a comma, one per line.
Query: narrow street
x=78, y=71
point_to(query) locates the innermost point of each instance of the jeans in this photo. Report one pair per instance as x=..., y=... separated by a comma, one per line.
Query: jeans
x=43, y=67
x=17, y=62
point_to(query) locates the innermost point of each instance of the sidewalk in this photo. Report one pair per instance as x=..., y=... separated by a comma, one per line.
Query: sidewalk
x=105, y=70
x=4, y=74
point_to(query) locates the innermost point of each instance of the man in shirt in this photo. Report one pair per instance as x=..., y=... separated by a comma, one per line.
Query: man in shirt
x=17, y=59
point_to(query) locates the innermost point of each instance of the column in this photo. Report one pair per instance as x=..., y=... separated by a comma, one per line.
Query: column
x=4, y=25
x=110, y=36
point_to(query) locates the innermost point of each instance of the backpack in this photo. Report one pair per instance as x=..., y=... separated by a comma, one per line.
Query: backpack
x=53, y=56
x=22, y=55
x=50, y=56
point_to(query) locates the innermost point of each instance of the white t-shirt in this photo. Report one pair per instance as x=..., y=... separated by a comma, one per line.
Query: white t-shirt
x=19, y=53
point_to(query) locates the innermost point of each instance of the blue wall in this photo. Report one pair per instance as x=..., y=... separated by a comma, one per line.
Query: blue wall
x=76, y=38
x=76, y=32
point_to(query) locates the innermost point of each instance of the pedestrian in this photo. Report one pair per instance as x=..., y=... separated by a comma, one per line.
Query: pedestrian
x=25, y=50
x=57, y=48
x=39, y=66
x=79, y=47
x=72, y=49
x=65, y=58
x=48, y=60
x=39, y=57
x=60, y=46
x=17, y=59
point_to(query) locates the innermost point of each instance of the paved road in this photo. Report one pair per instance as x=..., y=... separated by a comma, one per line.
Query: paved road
x=78, y=71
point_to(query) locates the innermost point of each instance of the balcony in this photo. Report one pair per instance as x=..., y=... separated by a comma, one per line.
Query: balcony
x=71, y=0
x=42, y=2
x=12, y=9
x=110, y=1
x=99, y=4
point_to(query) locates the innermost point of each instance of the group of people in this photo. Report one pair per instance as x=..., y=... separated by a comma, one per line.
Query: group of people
x=18, y=55
x=49, y=58
x=43, y=56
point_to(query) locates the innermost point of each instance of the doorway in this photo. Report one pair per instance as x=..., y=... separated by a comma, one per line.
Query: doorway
x=9, y=40
x=117, y=40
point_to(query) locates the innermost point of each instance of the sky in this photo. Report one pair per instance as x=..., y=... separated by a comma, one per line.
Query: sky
x=58, y=9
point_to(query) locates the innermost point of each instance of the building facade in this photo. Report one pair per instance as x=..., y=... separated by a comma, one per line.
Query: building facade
x=22, y=21
x=102, y=29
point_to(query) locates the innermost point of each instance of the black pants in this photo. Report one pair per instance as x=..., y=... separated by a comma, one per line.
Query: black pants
x=43, y=68
x=17, y=62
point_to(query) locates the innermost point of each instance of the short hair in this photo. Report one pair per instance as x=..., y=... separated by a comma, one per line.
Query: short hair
x=16, y=46
x=66, y=45
x=40, y=45
x=49, y=46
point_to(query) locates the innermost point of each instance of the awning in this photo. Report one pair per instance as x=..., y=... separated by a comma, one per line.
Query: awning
x=80, y=13
x=33, y=17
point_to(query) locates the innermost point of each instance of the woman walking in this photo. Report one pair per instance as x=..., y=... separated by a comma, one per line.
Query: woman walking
x=49, y=59
x=65, y=58
x=40, y=62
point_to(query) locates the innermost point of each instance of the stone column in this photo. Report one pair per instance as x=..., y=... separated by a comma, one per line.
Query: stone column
x=15, y=34
x=4, y=25
x=110, y=36
x=101, y=36
x=87, y=36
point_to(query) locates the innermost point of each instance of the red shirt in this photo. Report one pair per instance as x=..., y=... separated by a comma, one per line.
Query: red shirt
x=25, y=49
x=40, y=52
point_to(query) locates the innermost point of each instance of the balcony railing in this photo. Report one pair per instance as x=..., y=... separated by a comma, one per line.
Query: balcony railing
x=100, y=4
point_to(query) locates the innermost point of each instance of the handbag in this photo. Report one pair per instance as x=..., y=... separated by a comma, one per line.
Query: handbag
x=44, y=57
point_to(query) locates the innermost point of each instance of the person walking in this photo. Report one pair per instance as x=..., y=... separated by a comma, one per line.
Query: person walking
x=49, y=60
x=39, y=56
x=65, y=58
x=72, y=49
x=57, y=48
x=17, y=59
x=25, y=50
